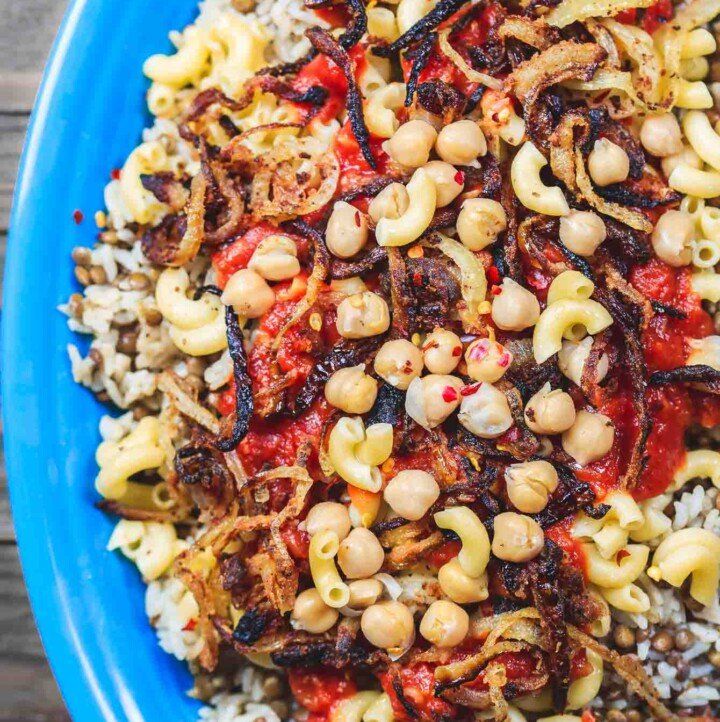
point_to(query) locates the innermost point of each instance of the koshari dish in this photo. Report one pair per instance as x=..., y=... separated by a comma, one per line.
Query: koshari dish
x=411, y=309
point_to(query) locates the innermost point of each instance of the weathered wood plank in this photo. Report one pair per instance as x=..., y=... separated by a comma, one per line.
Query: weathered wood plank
x=27, y=688
x=12, y=135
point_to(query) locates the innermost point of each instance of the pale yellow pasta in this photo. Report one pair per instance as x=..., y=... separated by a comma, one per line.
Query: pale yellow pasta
x=204, y=340
x=584, y=689
x=162, y=100
x=570, y=284
x=147, y=158
x=694, y=68
x=619, y=572
x=529, y=187
x=411, y=11
x=693, y=206
x=694, y=182
x=630, y=598
x=355, y=452
x=332, y=589
x=696, y=43
x=705, y=253
x=140, y=450
x=654, y=523
x=704, y=352
x=512, y=131
x=380, y=108
x=382, y=23
x=380, y=710
x=707, y=285
x=701, y=136
x=152, y=546
x=475, y=552
x=710, y=223
x=184, y=67
x=411, y=224
x=174, y=304
x=610, y=539
x=562, y=316
x=694, y=95
x=600, y=627
x=698, y=464
x=371, y=79
x=625, y=509
x=353, y=708
x=691, y=553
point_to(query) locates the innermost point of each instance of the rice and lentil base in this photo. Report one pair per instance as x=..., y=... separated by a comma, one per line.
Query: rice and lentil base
x=278, y=262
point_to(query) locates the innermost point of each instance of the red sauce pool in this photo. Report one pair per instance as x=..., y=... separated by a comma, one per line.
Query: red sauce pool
x=418, y=686
x=319, y=691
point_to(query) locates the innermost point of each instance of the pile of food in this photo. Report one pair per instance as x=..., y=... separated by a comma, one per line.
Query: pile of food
x=410, y=307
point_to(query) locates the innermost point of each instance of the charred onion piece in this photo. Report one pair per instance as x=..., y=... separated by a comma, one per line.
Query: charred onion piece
x=706, y=377
x=340, y=269
x=357, y=27
x=441, y=12
x=326, y=44
x=419, y=56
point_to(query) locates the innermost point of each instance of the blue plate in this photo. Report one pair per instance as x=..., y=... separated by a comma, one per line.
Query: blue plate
x=88, y=603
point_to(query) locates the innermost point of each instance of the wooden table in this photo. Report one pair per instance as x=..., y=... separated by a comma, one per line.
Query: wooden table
x=28, y=692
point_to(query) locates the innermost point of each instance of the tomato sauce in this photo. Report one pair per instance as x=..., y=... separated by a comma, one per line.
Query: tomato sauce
x=418, y=687
x=443, y=554
x=354, y=169
x=318, y=691
x=561, y=534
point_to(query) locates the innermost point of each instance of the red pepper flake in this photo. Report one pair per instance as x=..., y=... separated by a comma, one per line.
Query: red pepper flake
x=190, y=626
x=460, y=178
x=115, y=173
x=504, y=360
x=496, y=290
x=621, y=555
x=417, y=278
x=78, y=216
x=470, y=390
x=457, y=351
x=358, y=219
x=493, y=274
x=449, y=394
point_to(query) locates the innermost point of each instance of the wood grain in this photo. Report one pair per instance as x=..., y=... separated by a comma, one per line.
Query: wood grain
x=28, y=692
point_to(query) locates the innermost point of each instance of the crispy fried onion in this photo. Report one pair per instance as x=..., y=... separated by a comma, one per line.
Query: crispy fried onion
x=568, y=164
x=244, y=405
x=474, y=76
x=630, y=668
x=535, y=33
x=182, y=398
x=274, y=565
x=571, y=11
x=326, y=44
x=473, y=283
x=700, y=376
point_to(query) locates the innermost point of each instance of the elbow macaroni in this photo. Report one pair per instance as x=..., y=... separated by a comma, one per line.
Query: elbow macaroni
x=630, y=598
x=186, y=66
x=584, y=689
x=691, y=553
x=413, y=223
x=355, y=452
x=380, y=109
x=701, y=136
x=698, y=464
x=140, y=450
x=563, y=316
x=353, y=709
x=142, y=205
x=152, y=546
x=693, y=95
x=694, y=182
x=570, y=284
x=707, y=285
x=332, y=589
x=475, y=552
x=614, y=573
x=528, y=186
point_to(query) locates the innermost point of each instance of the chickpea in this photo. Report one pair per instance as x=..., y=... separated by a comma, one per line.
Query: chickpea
x=687, y=156
x=275, y=258
x=445, y=624
x=364, y=592
x=348, y=286
x=311, y=614
x=514, y=308
x=347, y=230
x=589, y=438
x=459, y=586
x=411, y=143
x=362, y=315
x=582, y=232
x=479, y=222
x=351, y=390
x=411, y=493
x=608, y=163
x=431, y=399
x=550, y=411
x=442, y=351
x=487, y=360
x=485, y=411
x=449, y=181
x=661, y=135
x=399, y=362
x=530, y=484
x=391, y=202
x=672, y=236
x=328, y=516
x=573, y=356
x=388, y=625
x=461, y=142
x=248, y=293
x=360, y=554
x=516, y=538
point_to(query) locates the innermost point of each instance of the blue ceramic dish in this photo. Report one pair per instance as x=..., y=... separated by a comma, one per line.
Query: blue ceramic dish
x=88, y=603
